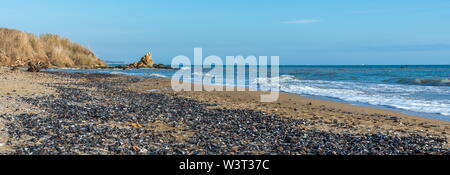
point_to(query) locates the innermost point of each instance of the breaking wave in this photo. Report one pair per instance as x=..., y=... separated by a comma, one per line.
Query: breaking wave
x=427, y=82
x=389, y=95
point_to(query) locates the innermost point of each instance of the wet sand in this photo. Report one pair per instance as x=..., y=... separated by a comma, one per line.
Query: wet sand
x=354, y=119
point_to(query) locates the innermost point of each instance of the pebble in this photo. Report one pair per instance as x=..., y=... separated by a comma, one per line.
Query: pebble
x=97, y=117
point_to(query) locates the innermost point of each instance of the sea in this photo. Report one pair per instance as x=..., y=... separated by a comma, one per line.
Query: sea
x=420, y=90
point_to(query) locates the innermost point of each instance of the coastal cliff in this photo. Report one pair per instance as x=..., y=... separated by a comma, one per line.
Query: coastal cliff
x=19, y=48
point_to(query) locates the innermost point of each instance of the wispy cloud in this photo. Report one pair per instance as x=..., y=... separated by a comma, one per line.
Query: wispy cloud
x=302, y=21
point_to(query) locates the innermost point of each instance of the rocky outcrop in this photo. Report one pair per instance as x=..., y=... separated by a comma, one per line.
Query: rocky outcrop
x=162, y=66
x=145, y=62
x=19, y=48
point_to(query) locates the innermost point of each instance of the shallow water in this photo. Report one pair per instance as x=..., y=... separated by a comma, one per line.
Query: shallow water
x=416, y=90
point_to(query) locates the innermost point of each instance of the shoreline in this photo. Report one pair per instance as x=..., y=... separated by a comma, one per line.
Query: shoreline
x=104, y=109
x=433, y=116
x=291, y=103
x=371, y=108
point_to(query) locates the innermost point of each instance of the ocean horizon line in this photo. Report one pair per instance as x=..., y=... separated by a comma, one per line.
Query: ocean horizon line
x=118, y=62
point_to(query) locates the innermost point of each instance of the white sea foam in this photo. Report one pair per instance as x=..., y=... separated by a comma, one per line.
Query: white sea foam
x=185, y=68
x=115, y=72
x=153, y=90
x=203, y=74
x=396, y=96
x=157, y=75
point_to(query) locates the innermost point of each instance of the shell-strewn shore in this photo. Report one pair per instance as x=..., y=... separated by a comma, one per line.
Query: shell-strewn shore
x=62, y=113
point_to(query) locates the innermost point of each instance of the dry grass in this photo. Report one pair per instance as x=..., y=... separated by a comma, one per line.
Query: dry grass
x=18, y=48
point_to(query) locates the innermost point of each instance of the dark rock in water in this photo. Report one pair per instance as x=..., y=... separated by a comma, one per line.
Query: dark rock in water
x=162, y=66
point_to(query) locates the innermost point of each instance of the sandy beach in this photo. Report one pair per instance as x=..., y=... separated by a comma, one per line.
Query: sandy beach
x=62, y=113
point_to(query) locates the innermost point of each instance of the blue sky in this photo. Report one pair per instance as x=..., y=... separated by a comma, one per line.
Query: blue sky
x=300, y=32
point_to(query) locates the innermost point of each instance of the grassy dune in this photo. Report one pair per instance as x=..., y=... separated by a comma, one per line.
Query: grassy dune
x=17, y=48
